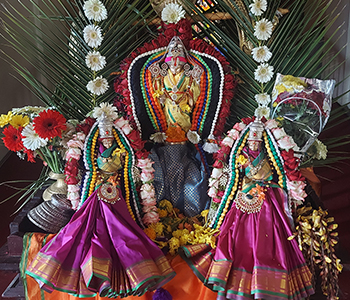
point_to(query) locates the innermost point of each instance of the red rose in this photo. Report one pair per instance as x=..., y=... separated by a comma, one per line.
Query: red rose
x=218, y=164
x=248, y=120
x=184, y=26
x=295, y=175
x=142, y=154
x=135, y=140
x=170, y=32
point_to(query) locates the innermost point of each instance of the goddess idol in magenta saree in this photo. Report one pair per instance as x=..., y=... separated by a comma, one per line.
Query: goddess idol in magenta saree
x=102, y=249
x=253, y=257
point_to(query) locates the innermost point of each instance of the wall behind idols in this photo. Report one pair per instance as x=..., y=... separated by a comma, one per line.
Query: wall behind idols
x=12, y=92
x=342, y=44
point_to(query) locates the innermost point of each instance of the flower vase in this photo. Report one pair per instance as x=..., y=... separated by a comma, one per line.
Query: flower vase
x=58, y=187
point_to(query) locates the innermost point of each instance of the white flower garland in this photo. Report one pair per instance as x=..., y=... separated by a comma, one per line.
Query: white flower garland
x=95, y=10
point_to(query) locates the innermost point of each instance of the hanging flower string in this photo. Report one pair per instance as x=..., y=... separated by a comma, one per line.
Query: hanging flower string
x=261, y=54
x=95, y=11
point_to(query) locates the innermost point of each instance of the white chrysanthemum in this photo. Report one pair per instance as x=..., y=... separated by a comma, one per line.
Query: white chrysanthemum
x=263, y=73
x=258, y=7
x=95, y=10
x=263, y=99
x=262, y=111
x=261, y=54
x=105, y=110
x=98, y=86
x=193, y=137
x=93, y=36
x=263, y=29
x=31, y=140
x=321, y=150
x=172, y=13
x=158, y=137
x=95, y=61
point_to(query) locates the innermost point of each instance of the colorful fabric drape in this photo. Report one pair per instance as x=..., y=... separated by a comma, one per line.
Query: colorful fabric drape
x=185, y=285
x=101, y=250
x=253, y=257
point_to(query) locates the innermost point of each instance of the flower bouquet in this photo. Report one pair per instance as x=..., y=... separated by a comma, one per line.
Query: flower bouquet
x=35, y=132
x=302, y=106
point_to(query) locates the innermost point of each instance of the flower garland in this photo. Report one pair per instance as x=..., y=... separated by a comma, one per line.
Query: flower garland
x=223, y=183
x=264, y=72
x=95, y=11
x=182, y=29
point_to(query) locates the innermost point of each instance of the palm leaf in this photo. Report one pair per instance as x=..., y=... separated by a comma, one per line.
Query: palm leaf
x=49, y=37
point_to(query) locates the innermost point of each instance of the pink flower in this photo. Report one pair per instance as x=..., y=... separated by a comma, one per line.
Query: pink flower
x=75, y=144
x=149, y=208
x=149, y=202
x=286, y=143
x=296, y=190
x=221, y=193
x=217, y=200
x=216, y=173
x=227, y=141
x=147, y=191
x=75, y=204
x=278, y=133
x=239, y=126
x=150, y=218
x=73, y=188
x=123, y=125
x=146, y=176
x=80, y=136
x=212, y=192
x=233, y=133
x=270, y=124
x=74, y=153
x=145, y=163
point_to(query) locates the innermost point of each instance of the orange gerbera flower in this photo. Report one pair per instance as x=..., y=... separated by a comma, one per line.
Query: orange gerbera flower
x=49, y=124
x=13, y=138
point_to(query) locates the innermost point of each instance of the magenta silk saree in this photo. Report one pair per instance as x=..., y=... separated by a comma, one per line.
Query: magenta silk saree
x=101, y=250
x=253, y=257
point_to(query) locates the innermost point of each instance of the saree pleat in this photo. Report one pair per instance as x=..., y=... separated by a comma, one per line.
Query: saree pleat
x=253, y=257
x=101, y=250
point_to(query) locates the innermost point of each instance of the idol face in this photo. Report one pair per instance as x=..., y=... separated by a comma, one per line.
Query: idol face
x=254, y=145
x=108, y=142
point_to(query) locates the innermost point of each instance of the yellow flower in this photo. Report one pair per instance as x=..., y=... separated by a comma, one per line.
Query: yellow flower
x=242, y=159
x=5, y=119
x=166, y=205
x=19, y=121
x=150, y=233
x=204, y=213
x=162, y=213
x=185, y=107
x=158, y=228
x=174, y=244
x=158, y=93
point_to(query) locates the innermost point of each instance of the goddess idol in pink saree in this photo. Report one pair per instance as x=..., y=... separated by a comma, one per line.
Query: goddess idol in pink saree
x=253, y=257
x=102, y=249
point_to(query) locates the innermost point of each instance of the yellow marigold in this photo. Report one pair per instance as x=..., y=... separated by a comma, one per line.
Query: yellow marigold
x=5, y=119
x=166, y=205
x=150, y=233
x=158, y=228
x=19, y=121
x=178, y=233
x=174, y=244
x=162, y=213
x=204, y=213
x=242, y=160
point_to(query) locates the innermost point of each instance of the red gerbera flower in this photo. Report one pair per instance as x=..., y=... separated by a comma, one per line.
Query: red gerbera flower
x=30, y=155
x=49, y=124
x=13, y=138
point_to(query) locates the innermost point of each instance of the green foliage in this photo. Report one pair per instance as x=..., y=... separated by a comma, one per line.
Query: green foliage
x=49, y=36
